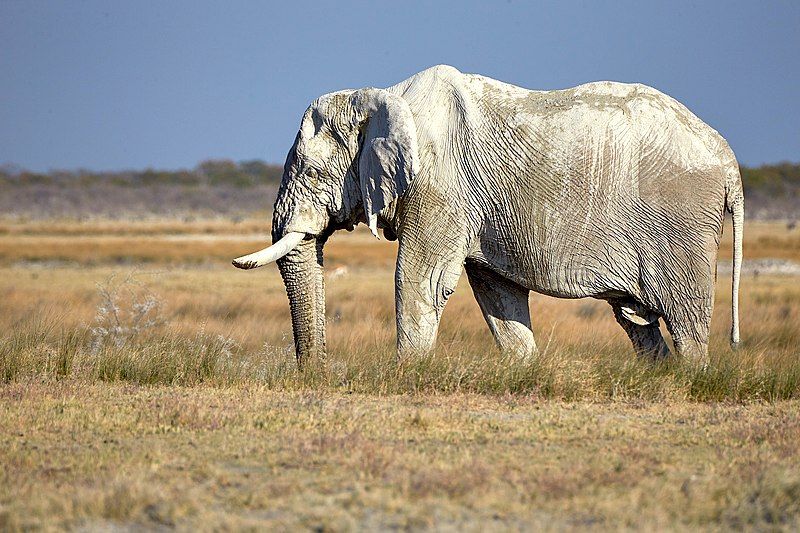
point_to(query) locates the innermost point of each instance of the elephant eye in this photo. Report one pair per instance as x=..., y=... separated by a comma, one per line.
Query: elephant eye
x=312, y=173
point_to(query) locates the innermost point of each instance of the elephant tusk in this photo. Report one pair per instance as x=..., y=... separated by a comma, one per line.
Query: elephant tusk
x=271, y=253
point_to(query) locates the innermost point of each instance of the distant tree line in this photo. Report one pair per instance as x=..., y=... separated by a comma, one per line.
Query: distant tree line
x=214, y=172
x=779, y=179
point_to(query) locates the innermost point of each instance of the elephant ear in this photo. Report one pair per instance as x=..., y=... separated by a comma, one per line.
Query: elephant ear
x=388, y=160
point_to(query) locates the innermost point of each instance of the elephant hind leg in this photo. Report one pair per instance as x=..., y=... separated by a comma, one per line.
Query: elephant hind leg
x=690, y=331
x=505, y=308
x=646, y=338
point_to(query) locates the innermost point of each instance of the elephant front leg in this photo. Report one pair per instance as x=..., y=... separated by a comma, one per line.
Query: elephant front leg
x=505, y=307
x=422, y=288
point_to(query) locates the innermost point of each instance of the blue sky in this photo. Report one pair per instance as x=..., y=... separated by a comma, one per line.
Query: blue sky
x=114, y=85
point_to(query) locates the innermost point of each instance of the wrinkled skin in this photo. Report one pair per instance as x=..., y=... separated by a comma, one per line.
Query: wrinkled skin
x=605, y=190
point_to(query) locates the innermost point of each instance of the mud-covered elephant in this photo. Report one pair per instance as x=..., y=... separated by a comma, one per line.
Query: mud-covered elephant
x=606, y=190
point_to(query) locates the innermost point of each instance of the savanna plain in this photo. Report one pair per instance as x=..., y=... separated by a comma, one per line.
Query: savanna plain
x=147, y=384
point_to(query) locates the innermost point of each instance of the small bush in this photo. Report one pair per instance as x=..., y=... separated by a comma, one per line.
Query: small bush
x=127, y=310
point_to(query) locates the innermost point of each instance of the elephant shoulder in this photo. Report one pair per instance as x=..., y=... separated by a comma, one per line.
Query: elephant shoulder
x=439, y=96
x=427, y=79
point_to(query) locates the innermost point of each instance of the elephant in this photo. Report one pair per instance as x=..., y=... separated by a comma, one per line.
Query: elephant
x=606, y=190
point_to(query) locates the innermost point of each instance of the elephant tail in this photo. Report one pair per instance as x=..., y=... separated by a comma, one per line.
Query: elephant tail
x=734, y=203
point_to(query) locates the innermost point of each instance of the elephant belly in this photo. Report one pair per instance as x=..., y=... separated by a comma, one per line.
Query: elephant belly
x=576, y=266
x=571, y=279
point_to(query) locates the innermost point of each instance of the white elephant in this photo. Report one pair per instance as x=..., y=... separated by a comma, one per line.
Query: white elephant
x=606, y=190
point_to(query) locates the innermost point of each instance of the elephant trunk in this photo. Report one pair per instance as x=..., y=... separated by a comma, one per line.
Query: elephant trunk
x=303, y=275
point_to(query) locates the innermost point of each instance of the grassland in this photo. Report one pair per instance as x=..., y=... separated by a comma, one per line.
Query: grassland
x=101, y=456
x=146, y=383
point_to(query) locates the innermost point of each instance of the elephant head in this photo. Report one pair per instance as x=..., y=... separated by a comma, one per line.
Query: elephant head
x=355, y=154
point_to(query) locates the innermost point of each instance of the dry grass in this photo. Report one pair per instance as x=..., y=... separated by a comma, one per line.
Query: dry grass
x=160, y=227
x=577, y=370
x=215, y=242
x=199, y=417
x=586, y=355
x=771, y=240
x=108, y=456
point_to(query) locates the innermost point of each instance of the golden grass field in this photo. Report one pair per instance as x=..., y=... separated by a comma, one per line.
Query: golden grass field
x=193, y=415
